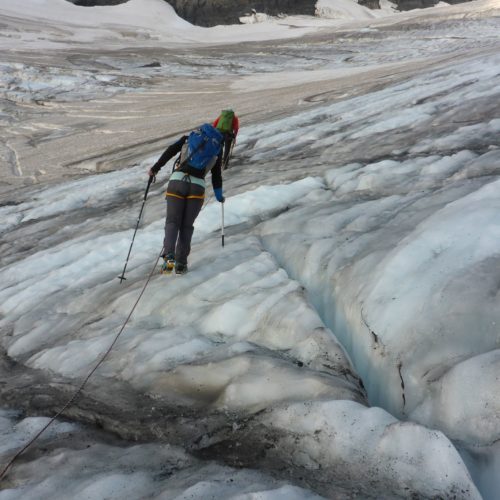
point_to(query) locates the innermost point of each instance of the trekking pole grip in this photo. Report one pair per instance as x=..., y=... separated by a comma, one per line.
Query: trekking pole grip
x=152, y=180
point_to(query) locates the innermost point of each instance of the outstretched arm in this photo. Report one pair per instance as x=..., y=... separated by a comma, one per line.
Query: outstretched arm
x=217, y=179
x=169, y=153
x=236, y=126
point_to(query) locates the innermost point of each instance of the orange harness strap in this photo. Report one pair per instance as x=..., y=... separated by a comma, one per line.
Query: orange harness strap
x=191, y=197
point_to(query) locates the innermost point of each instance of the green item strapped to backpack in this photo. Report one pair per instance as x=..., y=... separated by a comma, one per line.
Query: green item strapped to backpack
x=225, y=123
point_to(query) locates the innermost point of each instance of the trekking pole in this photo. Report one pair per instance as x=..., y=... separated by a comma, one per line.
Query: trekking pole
x=152, y=179
x=222, y=227
x=226, y=163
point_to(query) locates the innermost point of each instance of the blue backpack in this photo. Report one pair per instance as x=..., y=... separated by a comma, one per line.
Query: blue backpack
x=202, y=148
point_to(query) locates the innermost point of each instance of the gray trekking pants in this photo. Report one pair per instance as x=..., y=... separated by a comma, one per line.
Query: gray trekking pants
x=184, y=202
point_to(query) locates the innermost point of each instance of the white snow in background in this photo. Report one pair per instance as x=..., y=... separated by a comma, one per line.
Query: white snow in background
x=325, y=9
x=68, y=196
x=343, y=9
x=47, y=271
x=255, y=203
x=367, y=441
x=28, y=83
x=141, y=471
x=479, y=419
x=136, y=13
x=15, y=435
x=402, y=249
x=152, y=21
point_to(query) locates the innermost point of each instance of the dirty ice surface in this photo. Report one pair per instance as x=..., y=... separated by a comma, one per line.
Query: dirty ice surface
x=344, y=343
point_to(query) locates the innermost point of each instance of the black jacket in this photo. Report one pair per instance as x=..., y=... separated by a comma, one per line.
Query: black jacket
x=174, y=149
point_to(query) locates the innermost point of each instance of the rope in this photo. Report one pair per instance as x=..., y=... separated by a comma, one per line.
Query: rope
x=101, y=360
x=82, y=385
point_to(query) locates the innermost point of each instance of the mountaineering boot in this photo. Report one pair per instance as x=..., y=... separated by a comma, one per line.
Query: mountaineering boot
x=168, y=264
x=181, y=268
